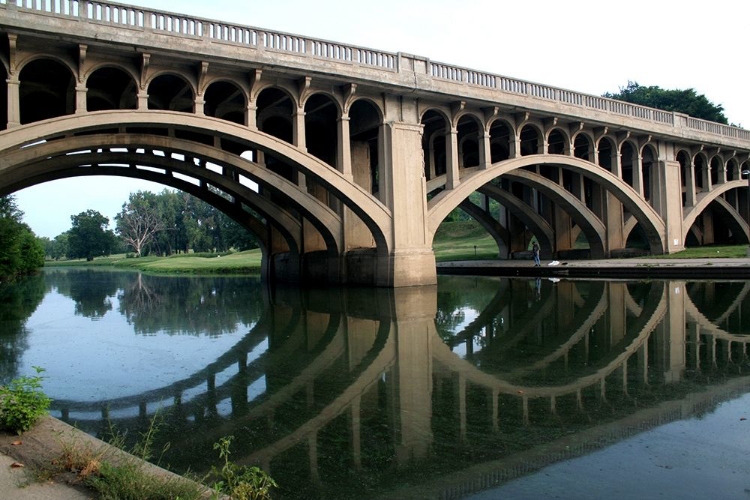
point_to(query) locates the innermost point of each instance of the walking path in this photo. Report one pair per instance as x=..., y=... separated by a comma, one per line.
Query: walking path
x=606, y=268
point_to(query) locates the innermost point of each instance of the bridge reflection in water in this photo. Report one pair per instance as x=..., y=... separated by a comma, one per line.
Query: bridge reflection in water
x=349, y=393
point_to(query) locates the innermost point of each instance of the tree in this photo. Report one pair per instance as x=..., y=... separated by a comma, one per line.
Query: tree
x=681, y=101
x=20, y=250
x=89, y=236
x=139, y=220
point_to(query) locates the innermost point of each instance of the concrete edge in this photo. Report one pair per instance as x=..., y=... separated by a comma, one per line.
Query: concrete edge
x=46, y=440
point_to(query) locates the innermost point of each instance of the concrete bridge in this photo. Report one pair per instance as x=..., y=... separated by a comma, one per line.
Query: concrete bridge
x=344, y=160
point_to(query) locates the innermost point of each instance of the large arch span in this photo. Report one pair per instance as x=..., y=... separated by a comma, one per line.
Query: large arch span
x=444, y=202
x=172, y=141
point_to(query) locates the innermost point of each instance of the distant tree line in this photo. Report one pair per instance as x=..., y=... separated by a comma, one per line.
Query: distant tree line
x=686, y=101
x=20, y=250
x=151, y=224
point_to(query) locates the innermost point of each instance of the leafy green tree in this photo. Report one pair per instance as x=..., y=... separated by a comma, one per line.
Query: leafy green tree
x=60, y=246
x=20, y=250
x=89, y=236
x=686, y=101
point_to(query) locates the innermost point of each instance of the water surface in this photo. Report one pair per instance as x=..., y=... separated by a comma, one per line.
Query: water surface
x=429, y=392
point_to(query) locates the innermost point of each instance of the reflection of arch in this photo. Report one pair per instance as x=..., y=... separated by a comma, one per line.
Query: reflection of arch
x=709, y=327
x=654, y=311
x=442, y=204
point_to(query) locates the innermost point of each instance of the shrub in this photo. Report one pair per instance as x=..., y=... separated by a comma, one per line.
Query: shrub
x=22, y=402
x=238, y=481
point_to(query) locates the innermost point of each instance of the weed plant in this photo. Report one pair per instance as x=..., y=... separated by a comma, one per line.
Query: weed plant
x=22, y=403
x=239, y=481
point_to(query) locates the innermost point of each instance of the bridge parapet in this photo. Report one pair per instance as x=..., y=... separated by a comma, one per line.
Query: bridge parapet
x=398, y=65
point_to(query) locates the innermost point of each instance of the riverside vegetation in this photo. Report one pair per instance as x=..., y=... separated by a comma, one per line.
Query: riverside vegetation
x=125, y=476
x=454, y=241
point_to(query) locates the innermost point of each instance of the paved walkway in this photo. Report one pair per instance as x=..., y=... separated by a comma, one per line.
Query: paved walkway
x=738, y=268
x=16, y=484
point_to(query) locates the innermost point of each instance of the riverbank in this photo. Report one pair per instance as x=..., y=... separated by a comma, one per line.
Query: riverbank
x=247, y=262
x=24, y=459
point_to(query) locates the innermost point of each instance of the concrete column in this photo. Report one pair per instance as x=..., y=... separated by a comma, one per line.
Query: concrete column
x=485, y=151
x=299, y=140
x=706, y=174
x=199, y=106
x=668, y=201
x=251, y=116
x=143, y=100
x=14, y=101
x=344, y=153
x=412, y=261
x=690, y=185
x=451, y=159
x=81, y=99
x=638, y=175
x=431, y=158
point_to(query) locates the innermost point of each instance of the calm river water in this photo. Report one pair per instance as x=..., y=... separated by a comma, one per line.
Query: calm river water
x=490, y=387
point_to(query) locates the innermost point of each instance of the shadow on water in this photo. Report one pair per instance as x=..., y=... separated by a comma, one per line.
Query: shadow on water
x=379, y=393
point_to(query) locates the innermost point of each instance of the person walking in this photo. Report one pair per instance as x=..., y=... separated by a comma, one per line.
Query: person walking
x=535, y=252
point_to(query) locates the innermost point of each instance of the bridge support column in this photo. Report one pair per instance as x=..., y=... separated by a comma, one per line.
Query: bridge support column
x=81, y=104
x=14, y=101
x=668, y=201
x=412, y=261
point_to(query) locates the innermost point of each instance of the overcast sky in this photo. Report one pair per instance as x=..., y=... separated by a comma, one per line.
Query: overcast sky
x=586, y=46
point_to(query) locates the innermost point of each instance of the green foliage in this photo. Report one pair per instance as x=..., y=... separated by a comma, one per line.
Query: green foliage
x=130, y=481
x=89, y=236
x=22, y=402
x=686, y=101
x=20, y=250
x=240, y=482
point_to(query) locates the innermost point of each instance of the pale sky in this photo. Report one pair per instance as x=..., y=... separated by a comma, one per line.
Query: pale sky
x=583, y=45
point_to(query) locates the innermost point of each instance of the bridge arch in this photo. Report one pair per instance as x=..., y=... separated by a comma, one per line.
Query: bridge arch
x=233, y=109
x=55, y=97
x=108, y=83
x=531, y=139
x=166, y=91
x=502, y=140
x=607, y=154
x=701, y=172
x=583, y=146
x=558, y=141
x=322, y=114
x=713, y=196
x=375, y=216
x=441, y=205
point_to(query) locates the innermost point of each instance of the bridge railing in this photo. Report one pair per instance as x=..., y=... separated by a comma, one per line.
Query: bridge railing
x=114, y=14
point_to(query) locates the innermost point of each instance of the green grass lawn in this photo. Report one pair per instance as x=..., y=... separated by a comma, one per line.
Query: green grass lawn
x=235, y=263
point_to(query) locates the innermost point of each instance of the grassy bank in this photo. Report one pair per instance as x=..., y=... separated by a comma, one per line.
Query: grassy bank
x=454, y=241
x=235, y=263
